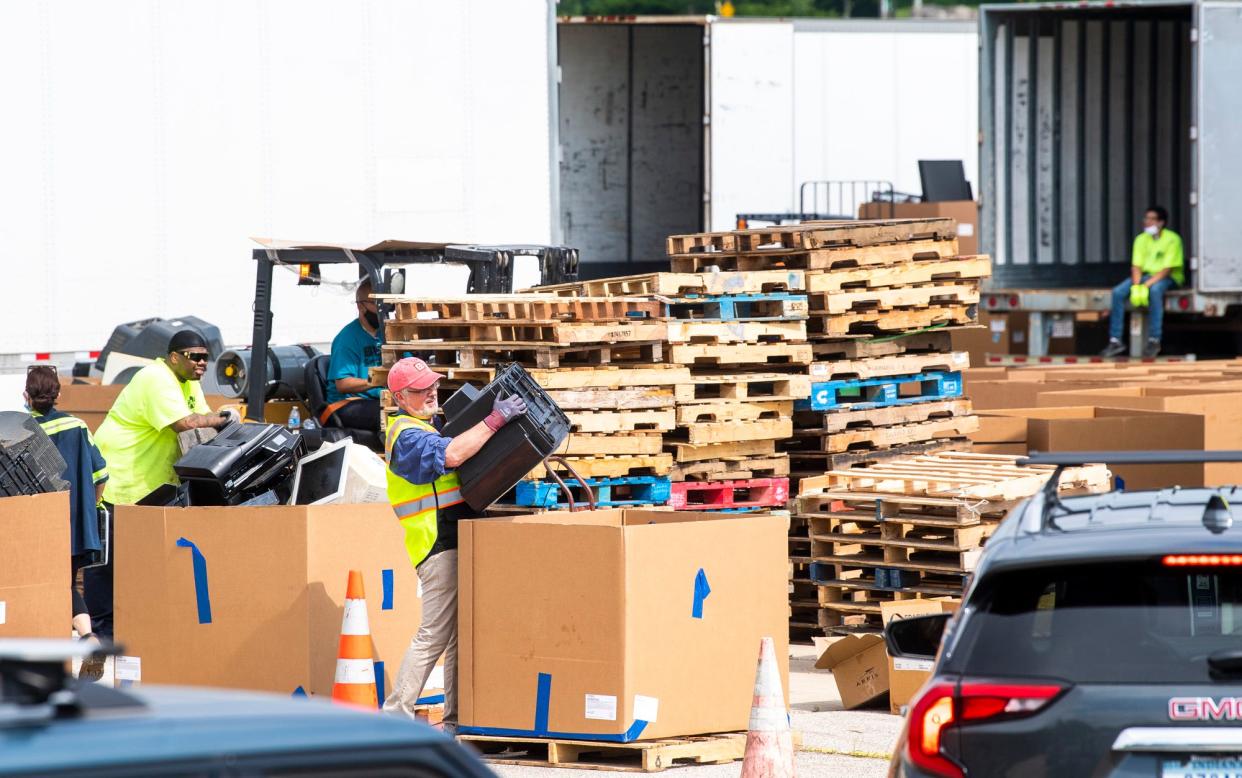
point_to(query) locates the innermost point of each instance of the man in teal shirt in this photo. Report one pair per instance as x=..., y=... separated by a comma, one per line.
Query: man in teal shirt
x=355, y=350
x=1156, y=263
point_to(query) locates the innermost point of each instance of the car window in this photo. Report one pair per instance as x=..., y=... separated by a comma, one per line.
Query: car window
x=1117, y=623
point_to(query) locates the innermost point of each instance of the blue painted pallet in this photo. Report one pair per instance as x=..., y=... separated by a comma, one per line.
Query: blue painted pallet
x=773, y=306
x=630, y=490
x=881, y=392
x=886, y=578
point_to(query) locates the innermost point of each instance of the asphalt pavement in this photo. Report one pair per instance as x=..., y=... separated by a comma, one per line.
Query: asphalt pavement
x=835, y=742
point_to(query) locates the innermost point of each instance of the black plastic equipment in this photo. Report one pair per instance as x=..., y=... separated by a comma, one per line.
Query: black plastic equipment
x=518, y=448
x=29, y=461
x=149, y=338
x=285, y=371
x=944, y=180
x=240, y=463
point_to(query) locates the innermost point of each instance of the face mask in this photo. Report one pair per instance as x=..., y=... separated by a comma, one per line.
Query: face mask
x=1153, y=230
x=372, y=318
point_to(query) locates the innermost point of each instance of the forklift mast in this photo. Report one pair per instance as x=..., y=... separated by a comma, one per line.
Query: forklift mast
x=491, y=272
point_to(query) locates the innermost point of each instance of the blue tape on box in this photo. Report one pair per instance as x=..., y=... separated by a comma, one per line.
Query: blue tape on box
x=201, y=594
x=386, y=577
x=701, y=590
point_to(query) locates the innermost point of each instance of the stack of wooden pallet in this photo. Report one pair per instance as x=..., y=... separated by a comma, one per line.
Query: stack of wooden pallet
x=601, y=359
x=905, y=529
x=742, y=337
x=882, y=296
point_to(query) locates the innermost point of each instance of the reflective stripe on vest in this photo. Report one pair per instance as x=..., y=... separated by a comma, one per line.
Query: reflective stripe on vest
x=416, y=505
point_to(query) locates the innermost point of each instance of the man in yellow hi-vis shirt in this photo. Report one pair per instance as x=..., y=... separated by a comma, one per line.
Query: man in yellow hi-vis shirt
x=138, y=440
x=1156, y=265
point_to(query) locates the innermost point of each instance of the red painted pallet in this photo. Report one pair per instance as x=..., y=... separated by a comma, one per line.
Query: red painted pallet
x=725, y=495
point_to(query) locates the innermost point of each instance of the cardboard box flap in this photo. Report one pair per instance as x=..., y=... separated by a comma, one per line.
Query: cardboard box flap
x=846, y=647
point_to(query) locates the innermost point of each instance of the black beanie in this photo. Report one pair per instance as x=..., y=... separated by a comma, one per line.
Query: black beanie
x=186, y=339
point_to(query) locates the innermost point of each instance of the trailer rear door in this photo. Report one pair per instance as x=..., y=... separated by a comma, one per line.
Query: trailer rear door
x=1218, y=104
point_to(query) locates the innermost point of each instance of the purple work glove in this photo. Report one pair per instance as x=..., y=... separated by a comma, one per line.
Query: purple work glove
x=504, y=411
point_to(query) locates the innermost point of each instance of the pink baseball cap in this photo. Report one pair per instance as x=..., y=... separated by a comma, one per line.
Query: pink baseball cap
x=411, y=373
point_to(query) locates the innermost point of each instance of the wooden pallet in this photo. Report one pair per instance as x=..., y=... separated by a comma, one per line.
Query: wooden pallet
x=682, y=284
x=852, y=301
x=725, y=495
x=736, y=331
x=731, y=469
x=713, y=387
x=644, y=756
x=701, y=243
x=843, y=234
x=804, y=464
x=890, y=322
x=896, y=365
x=613, y=422
x=777, y=306
x=911, y=273
x=822, y=259
x=731, y=354
x=733, y=431
x=733, y=410
x=611, y=377
x=866, y=580
x=525, y=308
x=612, y=444
x=857, y=394
x=872, y=438
x=472, y=355
x=612, y=466
x=814, y=422
x=732, y=449
x=620, y=399
x=918, y=511
x=525, y=333
x=963, y=474
x=939, y=341
x=895, y=532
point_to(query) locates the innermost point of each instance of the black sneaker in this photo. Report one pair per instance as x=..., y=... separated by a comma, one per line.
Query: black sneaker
x=1152, y=348
x=1115, y=348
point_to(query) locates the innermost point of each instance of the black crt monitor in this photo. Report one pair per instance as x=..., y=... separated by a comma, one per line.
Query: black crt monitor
x=944, y=180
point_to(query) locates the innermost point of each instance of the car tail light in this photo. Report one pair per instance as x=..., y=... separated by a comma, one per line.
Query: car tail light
x=942, y=706
x=1203, y=560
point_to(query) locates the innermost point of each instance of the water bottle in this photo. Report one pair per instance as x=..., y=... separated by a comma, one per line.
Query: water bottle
x=295, y=418
x=309, y=426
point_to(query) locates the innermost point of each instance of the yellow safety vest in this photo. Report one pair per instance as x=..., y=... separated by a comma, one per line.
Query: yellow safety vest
x=416, y=505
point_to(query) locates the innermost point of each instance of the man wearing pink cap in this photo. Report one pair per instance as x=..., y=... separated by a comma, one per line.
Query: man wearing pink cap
x=426, y=496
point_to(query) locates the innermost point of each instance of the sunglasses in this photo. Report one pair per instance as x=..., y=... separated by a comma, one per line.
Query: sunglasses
x=194, y=356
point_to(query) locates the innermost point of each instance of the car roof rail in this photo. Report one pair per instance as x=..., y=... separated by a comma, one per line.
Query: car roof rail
x=35, y=679
x=1216, y=516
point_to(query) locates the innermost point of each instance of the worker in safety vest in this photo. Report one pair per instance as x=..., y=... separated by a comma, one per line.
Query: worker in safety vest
x=1156, y=266
x=426, y=497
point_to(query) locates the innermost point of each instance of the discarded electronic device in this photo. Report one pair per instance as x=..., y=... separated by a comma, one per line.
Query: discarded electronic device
x=518, y=448
x=340, y=472
x=241, y=462
x=29, y=460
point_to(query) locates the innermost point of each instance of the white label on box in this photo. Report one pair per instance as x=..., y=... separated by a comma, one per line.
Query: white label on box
x=436, y=679
x=961, y=358
x=601, y=707
x=965, y=229
x=3, y=614
x=819, y=368
x=646, y=708
x=924, y=665
x=997, y=325
x=128, y=668
x=1063, y=327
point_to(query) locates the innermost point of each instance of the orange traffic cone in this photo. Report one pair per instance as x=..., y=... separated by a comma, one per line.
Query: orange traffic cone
x=355, y=668
x=769, y=743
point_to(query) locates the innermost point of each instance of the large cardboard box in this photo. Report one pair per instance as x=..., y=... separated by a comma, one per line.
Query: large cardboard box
x=859, y=665
x=1089, y=428
x=618, y=624
x=1011, y=393
x=1221, y=412
x=91, y=402
x=34, y=566
x=966, y=212
x=907, y=676
x=275, y=581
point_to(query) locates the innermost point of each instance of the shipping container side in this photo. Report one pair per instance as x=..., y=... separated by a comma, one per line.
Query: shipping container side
x=1218, y=123
x=632, y=134
x=1086, y=121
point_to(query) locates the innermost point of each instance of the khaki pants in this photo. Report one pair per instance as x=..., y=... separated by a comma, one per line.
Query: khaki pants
x=437, y=634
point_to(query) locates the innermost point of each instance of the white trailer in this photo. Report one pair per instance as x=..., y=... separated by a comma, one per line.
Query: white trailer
x=144, y=143
x=678, y=124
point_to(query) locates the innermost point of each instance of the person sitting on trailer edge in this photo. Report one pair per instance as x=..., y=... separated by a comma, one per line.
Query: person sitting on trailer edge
x=1156, y=265
x=138, y=439
x=426, y=496
x=86, y=472
x=355, y=349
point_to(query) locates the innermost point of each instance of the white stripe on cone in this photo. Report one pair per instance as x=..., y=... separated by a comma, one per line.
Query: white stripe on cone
x=355, y=621
x=769, y=743
x=355, y=671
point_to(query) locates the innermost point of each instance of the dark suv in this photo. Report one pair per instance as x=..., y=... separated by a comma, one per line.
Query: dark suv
x=1100, y=635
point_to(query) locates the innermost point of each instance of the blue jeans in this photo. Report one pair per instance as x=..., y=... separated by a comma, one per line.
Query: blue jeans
x=1155, y=309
